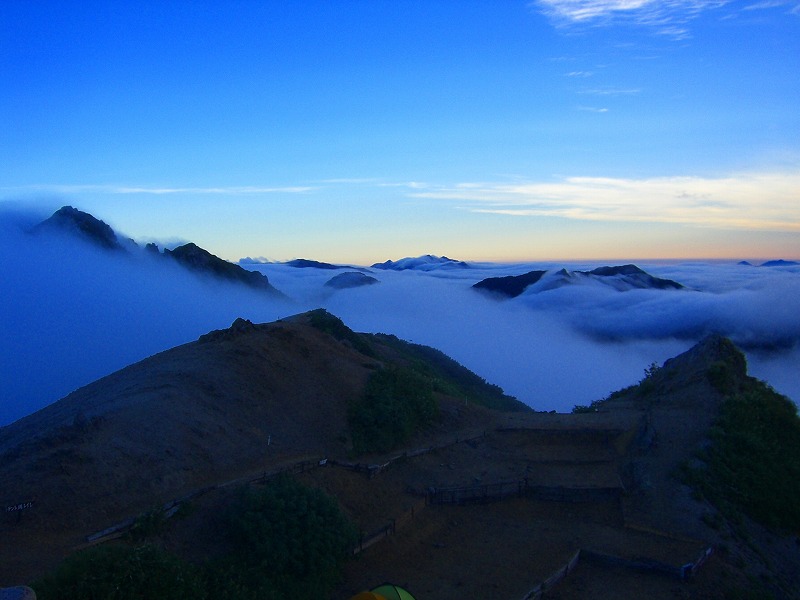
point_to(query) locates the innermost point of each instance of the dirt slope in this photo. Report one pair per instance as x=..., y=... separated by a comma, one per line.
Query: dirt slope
x=194, y=415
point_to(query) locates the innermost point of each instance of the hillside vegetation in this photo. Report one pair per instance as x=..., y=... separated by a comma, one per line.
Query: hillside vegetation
x=752, y=464
x=400, y=398
x=284, y=540
x=397, y=402
x=450, y=377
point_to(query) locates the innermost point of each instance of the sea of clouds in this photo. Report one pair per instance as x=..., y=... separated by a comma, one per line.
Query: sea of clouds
x=73, y=313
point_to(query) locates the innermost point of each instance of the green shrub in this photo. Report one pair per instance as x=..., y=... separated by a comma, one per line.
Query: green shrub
x=287, y=541
x=290, y=541
x=753, y=463
x=721, y=376
x=449, y=376
x=396, y=403
x=121, y=573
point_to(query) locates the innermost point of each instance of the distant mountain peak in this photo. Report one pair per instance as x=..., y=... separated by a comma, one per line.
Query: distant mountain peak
x=70, y=219
x=305, y=263
x=621, y=278
x=426, y=262
x=631, y=277
x=780, y=263
x=618, y=270
x=350, y=279
x=191, y=256
x=511, y=286
x=197, y=259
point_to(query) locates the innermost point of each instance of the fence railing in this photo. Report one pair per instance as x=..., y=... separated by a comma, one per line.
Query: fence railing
x=539, y=589
x=683, y=572
x=493, y=492
x=367, y=540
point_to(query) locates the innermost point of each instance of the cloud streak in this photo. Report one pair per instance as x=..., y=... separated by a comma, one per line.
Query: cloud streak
x=667, y=17
x=163, y=190
x=762, y=201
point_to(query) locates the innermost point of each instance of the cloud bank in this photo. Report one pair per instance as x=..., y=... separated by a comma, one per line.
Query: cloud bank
x=73, y=313
x=759, y=201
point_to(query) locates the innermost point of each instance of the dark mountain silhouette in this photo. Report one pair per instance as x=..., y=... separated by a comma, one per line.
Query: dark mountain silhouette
x=350, y=279
x=634, y=277
x=511, y=286
x=780, y=263
x=83, y=225
x=428, y=262
x=304, y=263
x=622, y=278
x=201, y=261
x=86, y=227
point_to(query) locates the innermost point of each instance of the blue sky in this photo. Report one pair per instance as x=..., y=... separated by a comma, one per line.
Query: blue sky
x=364, y=130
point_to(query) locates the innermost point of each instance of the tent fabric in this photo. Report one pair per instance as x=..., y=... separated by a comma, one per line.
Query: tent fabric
x=367, y=596
x=392, y=592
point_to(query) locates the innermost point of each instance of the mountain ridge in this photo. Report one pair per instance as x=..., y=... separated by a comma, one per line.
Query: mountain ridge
x=621, y=277
x=88, y=228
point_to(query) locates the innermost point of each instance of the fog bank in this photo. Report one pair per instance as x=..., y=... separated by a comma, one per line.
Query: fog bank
x=74, y=313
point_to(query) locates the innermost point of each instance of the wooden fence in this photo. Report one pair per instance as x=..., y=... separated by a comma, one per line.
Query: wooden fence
x=476, y=494
x=493, y=492
x=539, y=590
x=367, y=540
x=170, y=508
x=683, y=572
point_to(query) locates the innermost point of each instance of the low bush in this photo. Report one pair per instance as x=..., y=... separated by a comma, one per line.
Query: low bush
x=290, y=541
x=287, y=541
x=449, y=376
x=753, y=462
x=122, y=573
x=396, y=403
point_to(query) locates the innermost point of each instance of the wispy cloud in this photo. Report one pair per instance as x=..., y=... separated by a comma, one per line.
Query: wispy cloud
x=793, y=5
x=234, y=190
x=350, y=180
x=160, y=190
x=667, y=17
x=414, y=185
x=611, y=91
x=756, y=201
